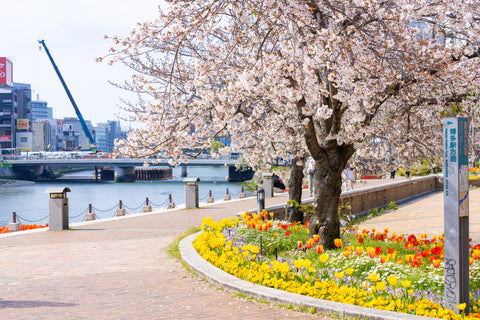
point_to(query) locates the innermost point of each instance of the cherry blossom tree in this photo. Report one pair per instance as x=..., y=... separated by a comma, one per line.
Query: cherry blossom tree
x=318, y=77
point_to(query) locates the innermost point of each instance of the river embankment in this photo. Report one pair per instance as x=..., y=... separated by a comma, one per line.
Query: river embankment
x=14, y=183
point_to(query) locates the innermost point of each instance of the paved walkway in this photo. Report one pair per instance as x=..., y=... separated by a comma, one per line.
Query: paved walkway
x=425, y=215
x=120, y=269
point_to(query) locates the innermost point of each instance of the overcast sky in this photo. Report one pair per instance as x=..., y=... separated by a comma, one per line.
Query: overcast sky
x=73, y=32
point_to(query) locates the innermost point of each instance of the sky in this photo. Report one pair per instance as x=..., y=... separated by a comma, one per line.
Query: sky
x=74, y=34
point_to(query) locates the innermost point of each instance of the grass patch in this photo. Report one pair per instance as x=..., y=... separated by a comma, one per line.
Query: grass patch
x=173, y=249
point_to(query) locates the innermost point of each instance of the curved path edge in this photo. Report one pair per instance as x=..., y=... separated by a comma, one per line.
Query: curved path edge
x=208, y=271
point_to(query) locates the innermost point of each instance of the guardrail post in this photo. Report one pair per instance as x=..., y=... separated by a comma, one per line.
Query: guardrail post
x=120, y=210
x=90, y=215
x=146, y=207
x=210, y=198
x=242, y=194
x=227, y=196
x=171, y=204
x=14, y=226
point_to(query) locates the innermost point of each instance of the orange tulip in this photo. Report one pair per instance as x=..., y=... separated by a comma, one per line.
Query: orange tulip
x=319, y=249
x=346, y=253
x=436, y=263
x=410, y=258
x=309, y=244
x=300, y=244
x=476, y=254
x=337, y=242
x=359, y=251
x=316, y=238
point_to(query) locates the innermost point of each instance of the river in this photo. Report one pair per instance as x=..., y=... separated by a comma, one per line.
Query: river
x=30, y=202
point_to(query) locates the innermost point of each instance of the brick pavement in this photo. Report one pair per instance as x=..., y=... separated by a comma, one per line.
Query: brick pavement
x=425, y=215
x=120, y=269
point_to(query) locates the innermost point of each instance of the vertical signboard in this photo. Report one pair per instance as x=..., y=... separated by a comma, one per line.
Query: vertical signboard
x=455, y=175
x=6, y=71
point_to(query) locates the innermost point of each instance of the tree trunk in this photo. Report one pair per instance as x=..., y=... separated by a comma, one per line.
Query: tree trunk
x=329, y=165
x=295, y=192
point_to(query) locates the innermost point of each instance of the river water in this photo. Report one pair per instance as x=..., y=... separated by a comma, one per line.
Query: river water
x=30, y=202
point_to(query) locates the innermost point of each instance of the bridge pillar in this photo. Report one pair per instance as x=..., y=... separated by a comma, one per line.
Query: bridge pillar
x=184, y=171
x=124, y=174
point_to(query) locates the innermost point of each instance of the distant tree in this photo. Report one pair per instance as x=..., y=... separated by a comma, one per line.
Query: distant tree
x=326, y=78
x=216, y=145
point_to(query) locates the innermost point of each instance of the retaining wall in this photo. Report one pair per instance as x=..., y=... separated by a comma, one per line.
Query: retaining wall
x=366, y=199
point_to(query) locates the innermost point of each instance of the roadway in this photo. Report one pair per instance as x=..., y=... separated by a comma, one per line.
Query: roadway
x=116, y=162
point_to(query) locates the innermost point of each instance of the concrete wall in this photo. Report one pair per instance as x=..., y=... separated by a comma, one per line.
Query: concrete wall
x=6, y=173
x=366, y=199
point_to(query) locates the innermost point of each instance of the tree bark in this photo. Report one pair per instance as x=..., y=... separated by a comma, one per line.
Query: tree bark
x=329, y=165
x=295, y=192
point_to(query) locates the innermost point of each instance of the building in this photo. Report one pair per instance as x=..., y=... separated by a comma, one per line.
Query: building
x=115, y=133
x=70, y=137
x=41, y=110
x=42, y=137
x=23, y=129
x=75, y=125
x=102, y=137
x=8, y=110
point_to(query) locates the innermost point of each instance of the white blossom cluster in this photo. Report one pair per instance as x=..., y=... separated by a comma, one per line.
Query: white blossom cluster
x=293, y=77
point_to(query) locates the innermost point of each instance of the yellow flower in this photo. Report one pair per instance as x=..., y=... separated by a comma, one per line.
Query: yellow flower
x=298, y=264
x=410, y=291
x=406, y=283
x=349, y=271
x=373, y=277
x=392, y=280
x=323, y=257
x=307, y=263
x=462, y=306
x=339, y=275
x=381, y=285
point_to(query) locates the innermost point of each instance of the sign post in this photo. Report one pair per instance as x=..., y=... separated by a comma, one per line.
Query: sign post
x=456, y=228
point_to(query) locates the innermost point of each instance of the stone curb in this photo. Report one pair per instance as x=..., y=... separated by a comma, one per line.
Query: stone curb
x=231, y=283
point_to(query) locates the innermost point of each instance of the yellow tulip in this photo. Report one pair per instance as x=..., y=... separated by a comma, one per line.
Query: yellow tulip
x=373, y=277
x=381, y=285
x=406, y=283
x=349, y=271
x=323, y=257
x=392, y=280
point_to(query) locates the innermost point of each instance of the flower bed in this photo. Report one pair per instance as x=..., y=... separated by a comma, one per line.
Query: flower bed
x=377, y=269
x=371, y=176
x=24, y=227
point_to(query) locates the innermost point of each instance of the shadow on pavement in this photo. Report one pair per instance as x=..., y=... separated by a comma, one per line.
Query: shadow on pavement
x=33, y=304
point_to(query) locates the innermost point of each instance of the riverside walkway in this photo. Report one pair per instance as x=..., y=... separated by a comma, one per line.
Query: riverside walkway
x=120, y=269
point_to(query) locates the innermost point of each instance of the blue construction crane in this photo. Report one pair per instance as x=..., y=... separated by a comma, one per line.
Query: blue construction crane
x=77, y=111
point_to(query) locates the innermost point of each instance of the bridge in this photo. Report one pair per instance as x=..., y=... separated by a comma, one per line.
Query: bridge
x=35, y=169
